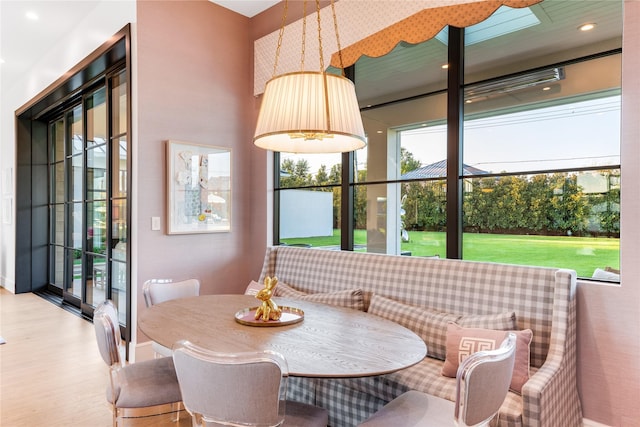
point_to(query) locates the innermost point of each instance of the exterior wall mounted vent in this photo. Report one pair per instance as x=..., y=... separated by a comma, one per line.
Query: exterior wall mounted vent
x=513, y=84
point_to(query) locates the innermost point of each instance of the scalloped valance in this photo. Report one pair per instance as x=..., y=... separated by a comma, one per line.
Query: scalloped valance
x=371, y=28
x=423, y=26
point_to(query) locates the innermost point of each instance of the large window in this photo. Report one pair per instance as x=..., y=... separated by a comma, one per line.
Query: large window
x=310, y=199
x=540, y=186
x=538, y=165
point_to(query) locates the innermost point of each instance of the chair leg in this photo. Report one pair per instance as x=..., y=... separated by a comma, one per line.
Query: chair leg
x=176, y=408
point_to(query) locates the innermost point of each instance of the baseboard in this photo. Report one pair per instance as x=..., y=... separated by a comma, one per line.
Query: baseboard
x=590, y=423
x=143, y=351
x=8, y=284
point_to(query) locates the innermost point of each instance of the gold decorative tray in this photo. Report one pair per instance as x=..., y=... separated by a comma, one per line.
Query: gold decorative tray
x=290, y=315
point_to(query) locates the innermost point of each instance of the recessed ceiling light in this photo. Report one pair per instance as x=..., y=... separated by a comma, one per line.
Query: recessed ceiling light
x=445, y=66
x=32, y=16
x=378, y=131
x=546, y=88
x=468, y=101
x=587, y=27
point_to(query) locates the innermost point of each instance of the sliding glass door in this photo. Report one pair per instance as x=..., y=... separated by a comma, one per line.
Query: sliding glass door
x=88, y=197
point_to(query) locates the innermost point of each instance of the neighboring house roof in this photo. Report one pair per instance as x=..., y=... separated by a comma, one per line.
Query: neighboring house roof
x=439, y=170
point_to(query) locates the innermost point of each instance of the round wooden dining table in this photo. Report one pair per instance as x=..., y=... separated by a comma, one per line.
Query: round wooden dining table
x=328, y=342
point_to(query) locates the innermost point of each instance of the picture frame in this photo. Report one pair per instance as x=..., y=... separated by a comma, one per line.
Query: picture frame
x=198, y=188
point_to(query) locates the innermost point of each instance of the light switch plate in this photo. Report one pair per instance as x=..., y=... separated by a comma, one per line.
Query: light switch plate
x=155, y=223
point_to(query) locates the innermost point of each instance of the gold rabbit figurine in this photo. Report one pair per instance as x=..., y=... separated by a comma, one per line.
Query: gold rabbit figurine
x=269, y=310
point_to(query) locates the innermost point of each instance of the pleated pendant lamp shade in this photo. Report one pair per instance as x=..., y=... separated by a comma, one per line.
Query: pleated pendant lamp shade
x=309, y=112
x=306, y=111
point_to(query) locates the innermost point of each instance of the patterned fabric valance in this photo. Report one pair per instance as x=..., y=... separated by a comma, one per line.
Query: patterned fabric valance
x=423, y=26
x=370, y=28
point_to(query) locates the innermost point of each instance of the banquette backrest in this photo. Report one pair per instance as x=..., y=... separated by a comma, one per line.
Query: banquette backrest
x=542, y=298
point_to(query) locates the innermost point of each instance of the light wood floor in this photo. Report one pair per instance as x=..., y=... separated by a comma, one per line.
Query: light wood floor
x=50, y=371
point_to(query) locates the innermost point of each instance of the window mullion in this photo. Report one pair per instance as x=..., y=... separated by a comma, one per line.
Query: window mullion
x=347, y=202
x=455, y=116
x=347, y=190
x=276, y=197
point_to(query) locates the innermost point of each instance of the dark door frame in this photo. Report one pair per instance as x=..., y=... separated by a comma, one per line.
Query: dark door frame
x=32, y=224
x=32, y=159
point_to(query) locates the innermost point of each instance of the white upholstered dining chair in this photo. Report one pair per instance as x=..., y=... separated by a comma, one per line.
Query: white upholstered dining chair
x=138, y=389
x=245, y=389
x=156, y=291
x=482, y=383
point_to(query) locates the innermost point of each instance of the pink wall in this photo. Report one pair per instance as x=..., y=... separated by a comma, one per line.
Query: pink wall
x=194, y=83
x=609, y=316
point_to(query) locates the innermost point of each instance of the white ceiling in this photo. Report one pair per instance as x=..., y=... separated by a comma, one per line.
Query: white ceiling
x=247, y=8
x=23, y=41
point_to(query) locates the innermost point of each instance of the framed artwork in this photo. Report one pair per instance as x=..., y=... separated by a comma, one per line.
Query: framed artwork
x=198, y=187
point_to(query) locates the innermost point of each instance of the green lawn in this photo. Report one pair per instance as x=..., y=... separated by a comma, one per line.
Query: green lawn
x=583, y=254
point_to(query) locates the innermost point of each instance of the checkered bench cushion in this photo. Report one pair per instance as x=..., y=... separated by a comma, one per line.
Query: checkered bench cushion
x=542, y=298
x=359, y=398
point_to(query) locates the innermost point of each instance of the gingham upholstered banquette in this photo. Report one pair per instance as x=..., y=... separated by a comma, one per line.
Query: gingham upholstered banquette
x=543, y=300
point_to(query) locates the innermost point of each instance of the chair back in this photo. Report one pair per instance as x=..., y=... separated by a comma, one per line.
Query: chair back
x=107, y=327
x=156, y=291
x=483, y=381
x=245, y=389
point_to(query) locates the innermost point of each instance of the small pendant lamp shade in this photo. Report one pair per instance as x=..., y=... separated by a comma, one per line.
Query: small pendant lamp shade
x=309, y=112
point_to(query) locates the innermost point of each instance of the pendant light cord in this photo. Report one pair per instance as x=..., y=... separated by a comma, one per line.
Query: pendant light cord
x=284, y=21
x=335, y=26
x=304, y=36
x=320, y=36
